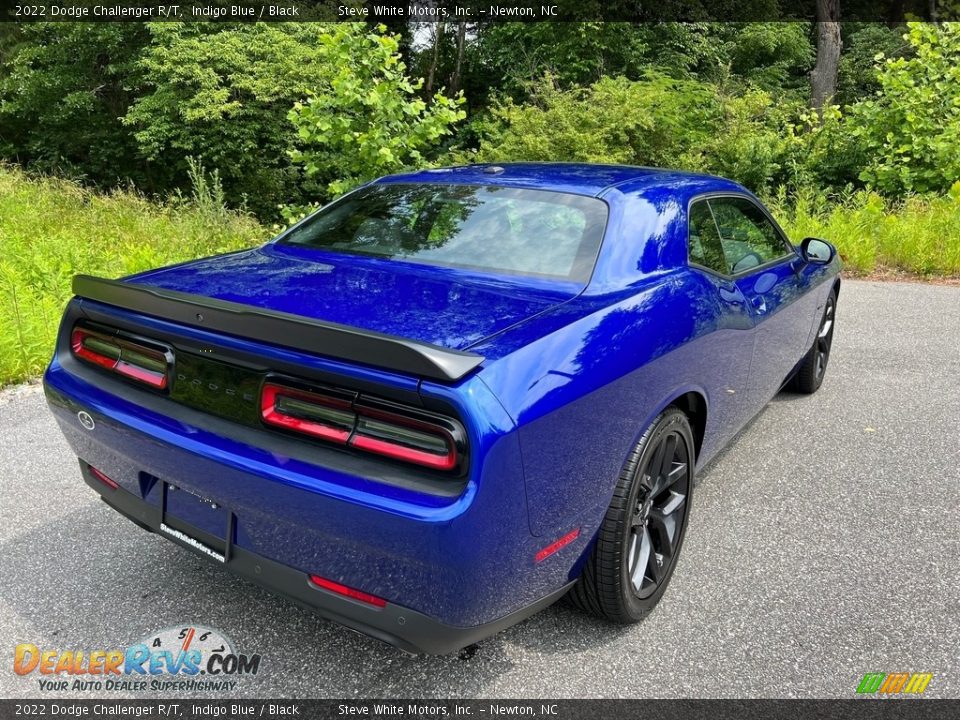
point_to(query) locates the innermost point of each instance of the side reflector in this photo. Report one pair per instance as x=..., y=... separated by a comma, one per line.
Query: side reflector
x=102, y=478
x=349, y=592
x=553, y=547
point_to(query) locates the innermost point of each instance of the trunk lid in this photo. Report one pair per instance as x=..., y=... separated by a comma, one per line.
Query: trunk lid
x=451, y=308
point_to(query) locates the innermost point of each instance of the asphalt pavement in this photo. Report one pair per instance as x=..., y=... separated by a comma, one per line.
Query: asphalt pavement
x=824, y=543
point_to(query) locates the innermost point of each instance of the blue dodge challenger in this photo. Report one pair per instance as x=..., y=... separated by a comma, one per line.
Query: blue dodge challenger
x=450, y=397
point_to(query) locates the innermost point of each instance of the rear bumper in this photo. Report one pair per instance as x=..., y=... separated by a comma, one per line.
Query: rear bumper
x=451, y=569
x=394, y=624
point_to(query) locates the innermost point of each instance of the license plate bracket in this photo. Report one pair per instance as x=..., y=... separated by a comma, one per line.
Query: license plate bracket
x=197, y=521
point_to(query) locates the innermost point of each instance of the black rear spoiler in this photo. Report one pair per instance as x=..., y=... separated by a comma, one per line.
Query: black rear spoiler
x=280, y=328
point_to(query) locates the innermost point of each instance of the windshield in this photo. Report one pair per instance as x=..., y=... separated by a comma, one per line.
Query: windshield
x=511, y=230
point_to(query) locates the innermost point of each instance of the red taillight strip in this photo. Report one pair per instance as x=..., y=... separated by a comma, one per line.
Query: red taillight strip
x=349, y=592
x=135, y=372
x=402, y=452
x=119, y=365
x=81, y=351
x=272, y=416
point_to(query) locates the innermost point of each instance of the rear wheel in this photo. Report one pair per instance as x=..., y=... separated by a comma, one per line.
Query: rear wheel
x=810, y=375
x=642, y=532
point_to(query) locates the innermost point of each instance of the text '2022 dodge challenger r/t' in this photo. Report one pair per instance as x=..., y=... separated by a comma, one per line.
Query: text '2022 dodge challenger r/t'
x=450, y=397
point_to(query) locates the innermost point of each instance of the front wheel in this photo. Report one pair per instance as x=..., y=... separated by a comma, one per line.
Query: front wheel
x=642, y=532
x=810, y=375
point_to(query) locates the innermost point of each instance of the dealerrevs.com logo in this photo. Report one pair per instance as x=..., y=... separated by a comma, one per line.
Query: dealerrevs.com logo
x=190, y=657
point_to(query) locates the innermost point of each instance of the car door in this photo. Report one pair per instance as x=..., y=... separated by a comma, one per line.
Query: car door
x=729, y=348
x=763, y=265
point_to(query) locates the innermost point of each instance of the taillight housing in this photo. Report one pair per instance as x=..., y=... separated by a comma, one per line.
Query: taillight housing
x=372, y=425
x=142, y=361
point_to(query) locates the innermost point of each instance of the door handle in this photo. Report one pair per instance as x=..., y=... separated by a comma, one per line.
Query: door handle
x=760, y=304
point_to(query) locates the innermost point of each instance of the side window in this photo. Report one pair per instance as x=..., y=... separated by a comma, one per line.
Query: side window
x=747, y=237
x=703, y=240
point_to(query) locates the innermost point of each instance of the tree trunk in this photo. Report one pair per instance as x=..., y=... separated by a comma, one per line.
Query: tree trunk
x=461, y=38
x=437, y=39
x=823, y=78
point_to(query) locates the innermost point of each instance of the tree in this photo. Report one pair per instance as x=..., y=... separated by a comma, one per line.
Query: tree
x=858, y=67
x=511, y=57
x=364, y=117
x=667, y=118
x=438, y=28
x=823, y=77
x=62, y=95
x=461, y=44
x=775, y=56
x=221, y=92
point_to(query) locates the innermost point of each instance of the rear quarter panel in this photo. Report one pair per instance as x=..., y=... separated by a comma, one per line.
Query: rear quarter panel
x=583, y=394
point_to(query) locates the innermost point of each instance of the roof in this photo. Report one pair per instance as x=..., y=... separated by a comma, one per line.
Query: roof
x=579, y=178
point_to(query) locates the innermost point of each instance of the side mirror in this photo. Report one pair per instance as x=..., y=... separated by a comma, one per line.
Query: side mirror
x=817, y=251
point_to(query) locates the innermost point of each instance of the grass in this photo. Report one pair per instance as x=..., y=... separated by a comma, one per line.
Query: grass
x=920, y=235
x=52, y=229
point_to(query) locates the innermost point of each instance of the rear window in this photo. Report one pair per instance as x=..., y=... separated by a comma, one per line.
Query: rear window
x=498, y=229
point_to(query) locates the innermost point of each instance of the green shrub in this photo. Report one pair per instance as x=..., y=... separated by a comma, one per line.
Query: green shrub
x=772, y=55
x=363, y=118
x=653, y=121
x=52, y=229
x=910, y=130
x=221, y=92
x=862, y=43
x=659, y=121
x=63, y=89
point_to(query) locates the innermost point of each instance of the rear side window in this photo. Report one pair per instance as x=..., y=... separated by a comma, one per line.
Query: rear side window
x=511, y=230
x=705, y=248
x=731, y=235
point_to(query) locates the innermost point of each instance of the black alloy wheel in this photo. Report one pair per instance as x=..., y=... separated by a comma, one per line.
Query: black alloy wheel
x=642, y=532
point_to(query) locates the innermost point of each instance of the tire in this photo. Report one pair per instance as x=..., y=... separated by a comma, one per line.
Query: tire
x=636, y=530
x=811, y=373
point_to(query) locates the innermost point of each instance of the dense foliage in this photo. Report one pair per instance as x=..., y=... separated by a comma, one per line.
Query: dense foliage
x=363, y=118
x=290, y=114
x=287, y=115
x=910, y=129
x=222, y=93
x=672, y=123
x=284, y=112
x=63, y=90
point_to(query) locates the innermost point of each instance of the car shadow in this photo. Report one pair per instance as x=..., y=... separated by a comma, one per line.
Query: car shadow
x=788, y=396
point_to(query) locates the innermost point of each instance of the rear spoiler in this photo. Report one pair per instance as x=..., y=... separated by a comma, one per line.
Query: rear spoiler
x=280, y=328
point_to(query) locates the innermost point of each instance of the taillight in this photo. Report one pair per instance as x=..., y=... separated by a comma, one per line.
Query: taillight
x=123, y=356
x=374, y=426
x=323, y=416
x=403, y=438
